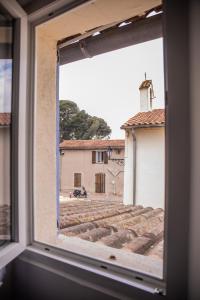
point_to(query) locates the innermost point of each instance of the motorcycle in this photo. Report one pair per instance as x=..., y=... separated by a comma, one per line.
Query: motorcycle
x=77, y=193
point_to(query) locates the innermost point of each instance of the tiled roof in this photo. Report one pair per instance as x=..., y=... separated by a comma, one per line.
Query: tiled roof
x=130, y=228
x=91, y=144
x=156, y=117
x=145, y=84
x=4, y=220
x=4, y=119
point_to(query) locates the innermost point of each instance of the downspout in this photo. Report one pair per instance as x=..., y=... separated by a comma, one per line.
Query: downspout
x=134, y=165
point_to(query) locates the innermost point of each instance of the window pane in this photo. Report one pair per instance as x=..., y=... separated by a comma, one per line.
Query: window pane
x=5, y=123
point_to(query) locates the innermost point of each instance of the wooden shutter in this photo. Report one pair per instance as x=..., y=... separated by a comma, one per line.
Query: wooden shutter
x=94, y=157
x=100, y=183
x=105, y=157
x=77, y=179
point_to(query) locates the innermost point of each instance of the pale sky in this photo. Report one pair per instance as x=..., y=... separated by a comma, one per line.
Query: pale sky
x=107, y=85
x=5, y=84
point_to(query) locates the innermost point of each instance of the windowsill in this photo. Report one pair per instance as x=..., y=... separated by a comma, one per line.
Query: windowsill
x=149, y=266
x=10, y=252
x=63, y=259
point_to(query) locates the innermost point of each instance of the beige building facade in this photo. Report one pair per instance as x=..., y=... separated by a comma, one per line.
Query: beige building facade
x=98, y=165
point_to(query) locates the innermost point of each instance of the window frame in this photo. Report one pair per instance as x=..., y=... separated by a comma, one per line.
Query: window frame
x=18, y=137
x=100, y=154
x=177, y=187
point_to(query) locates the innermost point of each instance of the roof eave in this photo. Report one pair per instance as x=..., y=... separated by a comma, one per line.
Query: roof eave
x=94, y=148
x=142, y=126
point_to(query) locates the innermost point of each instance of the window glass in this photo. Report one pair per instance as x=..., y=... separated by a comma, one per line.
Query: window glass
x=6, y=29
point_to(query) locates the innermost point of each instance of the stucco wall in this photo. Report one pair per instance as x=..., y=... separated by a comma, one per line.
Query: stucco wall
x=80, y=161
x=4, y=166
x=45, y=138
x=150, y=167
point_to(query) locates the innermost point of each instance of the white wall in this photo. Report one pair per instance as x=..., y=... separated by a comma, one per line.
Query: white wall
x=144, y=173
x=145, y=100
x=128, y=197
x=150, y=166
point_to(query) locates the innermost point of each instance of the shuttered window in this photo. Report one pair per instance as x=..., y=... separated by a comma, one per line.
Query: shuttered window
x=77, y=179
x=99, y=157
x=100, y=179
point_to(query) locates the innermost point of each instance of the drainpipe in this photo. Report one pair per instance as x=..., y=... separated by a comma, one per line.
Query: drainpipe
x=134, y=166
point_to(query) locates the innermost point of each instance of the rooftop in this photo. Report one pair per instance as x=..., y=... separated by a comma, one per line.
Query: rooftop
x=91, y=144
x=133, y=229
x=5, y=119
x=155, y=117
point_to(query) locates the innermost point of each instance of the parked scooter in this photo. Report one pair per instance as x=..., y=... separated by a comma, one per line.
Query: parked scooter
x=80, y=194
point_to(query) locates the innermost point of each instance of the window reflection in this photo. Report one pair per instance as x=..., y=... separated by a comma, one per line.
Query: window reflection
x=5, y=123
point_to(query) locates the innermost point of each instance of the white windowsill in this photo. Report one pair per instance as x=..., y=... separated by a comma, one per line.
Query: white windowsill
x=147, y=287
x=10, y=252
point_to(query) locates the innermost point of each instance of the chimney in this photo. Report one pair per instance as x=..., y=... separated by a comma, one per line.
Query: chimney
x=146, y=95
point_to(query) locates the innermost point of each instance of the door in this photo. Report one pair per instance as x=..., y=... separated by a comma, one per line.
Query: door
x=100, y=183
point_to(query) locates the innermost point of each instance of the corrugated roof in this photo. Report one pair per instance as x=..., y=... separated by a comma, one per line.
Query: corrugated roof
x=91, y=144
x=156, y=117
x=5, y=119
x=130, y=228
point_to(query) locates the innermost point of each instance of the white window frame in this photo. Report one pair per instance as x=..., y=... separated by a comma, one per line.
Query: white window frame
x=131, y=277
x=99, y=154
x=19, y=243
x=177, y=105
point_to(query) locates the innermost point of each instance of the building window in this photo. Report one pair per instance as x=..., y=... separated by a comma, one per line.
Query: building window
x=77, y=179
x=99, y=157
x=100, y=183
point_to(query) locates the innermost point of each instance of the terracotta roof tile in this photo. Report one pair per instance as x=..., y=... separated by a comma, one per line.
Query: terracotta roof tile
x=5, y=119
x=156, y=117
x=91, y=144
x=129, y=228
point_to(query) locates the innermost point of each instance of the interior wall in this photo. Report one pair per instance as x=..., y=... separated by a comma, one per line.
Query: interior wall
x=194, y=261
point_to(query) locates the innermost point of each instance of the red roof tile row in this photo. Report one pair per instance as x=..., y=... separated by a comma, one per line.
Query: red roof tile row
x=5, y=119
x=92, y=144
x=130, y=228
x=156, y=117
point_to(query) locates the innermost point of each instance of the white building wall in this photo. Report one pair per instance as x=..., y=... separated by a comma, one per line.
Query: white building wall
x=150, y=167
x=128, y=197
x=145, y=100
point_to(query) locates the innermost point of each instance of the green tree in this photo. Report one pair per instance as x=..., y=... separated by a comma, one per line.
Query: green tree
x=77, y=124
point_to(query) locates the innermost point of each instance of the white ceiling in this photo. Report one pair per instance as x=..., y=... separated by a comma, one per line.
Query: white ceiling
x=94, y=14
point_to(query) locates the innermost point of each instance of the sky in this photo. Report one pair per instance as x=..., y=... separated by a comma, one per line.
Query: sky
x=107, y=85
x=5, y=84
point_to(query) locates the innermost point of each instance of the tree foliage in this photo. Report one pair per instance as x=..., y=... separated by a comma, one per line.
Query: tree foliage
x=79, y=125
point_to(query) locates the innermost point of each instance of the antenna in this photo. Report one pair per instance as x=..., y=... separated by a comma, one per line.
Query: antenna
x=145, y=76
